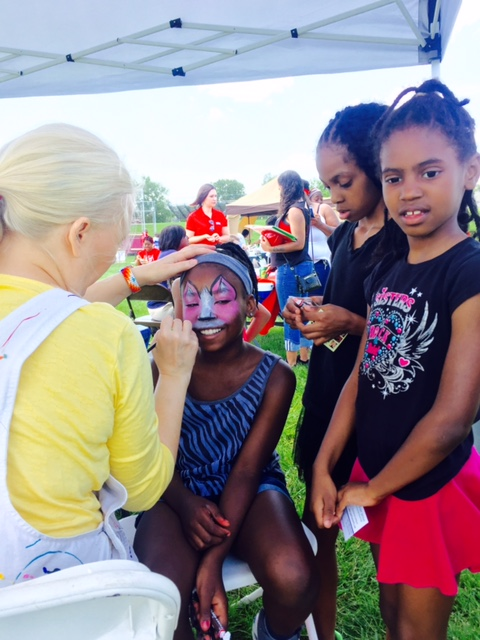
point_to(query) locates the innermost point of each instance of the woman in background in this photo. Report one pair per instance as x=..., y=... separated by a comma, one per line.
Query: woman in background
x=323, y=223
x=291, y=258
x=207, y=225
x=149, y=253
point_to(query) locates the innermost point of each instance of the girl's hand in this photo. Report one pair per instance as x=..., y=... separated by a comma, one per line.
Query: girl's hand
x=323, y=502
x=325, y=322
x=176, y=348
x=203, y=524
x=292, y=314
x=356, y=493
x=211, y=596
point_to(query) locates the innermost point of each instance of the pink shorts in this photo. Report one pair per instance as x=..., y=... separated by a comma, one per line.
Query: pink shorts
x=428, y=543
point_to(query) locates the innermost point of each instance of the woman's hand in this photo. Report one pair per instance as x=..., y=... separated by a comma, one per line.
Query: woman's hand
x=176, y=348
x=265, y=244
x=203, y=524
x=211, y=596
x=323, y=501
x=170, y=266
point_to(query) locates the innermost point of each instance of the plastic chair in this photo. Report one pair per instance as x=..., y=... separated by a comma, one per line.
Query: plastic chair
x=154, y=293
x=236, y=573
x=107, y=600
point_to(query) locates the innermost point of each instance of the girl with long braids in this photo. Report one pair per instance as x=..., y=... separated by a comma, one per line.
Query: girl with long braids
x=413, y=393
x=346, y=165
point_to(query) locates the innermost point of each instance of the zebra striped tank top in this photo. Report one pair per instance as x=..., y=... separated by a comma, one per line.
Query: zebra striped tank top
x=213, y=434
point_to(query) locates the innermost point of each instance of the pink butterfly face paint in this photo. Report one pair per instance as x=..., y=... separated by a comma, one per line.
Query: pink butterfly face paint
x=210, y=307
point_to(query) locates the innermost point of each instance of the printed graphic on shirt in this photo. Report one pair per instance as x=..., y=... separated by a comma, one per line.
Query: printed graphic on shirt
x=396, y=340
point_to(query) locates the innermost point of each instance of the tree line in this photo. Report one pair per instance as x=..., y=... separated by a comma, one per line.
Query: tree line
x=153, y=203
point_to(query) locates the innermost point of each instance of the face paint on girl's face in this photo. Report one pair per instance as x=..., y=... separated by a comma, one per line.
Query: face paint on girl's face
x=210, y=309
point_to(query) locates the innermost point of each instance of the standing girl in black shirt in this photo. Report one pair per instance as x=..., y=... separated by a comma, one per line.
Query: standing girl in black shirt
x=346, y=165
x=414, y=391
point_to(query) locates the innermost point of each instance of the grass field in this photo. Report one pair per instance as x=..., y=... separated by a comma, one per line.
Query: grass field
x=358, y=616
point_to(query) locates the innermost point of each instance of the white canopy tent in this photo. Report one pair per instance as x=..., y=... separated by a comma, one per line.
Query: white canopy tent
x=98, y=46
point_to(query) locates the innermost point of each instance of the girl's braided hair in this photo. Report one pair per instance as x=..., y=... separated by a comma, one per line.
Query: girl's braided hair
x=433, y=105
x=235, y=251
x=352, y=128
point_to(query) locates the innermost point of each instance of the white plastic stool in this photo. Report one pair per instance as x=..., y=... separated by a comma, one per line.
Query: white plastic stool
x=237, y=575
x=106, y=600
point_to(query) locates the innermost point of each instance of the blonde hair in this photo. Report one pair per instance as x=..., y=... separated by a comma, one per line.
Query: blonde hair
x=57, y=173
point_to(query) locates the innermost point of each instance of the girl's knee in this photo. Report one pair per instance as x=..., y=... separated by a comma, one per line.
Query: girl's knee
x=292, y=581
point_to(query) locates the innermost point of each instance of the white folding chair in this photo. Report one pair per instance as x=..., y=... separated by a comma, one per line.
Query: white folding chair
x=237, y=573
x=107, y=600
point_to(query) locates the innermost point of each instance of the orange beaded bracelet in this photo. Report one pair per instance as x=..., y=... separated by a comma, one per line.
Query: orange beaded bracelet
x=130, y=279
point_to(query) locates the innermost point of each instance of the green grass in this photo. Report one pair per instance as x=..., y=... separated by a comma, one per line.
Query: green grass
x=150, y=227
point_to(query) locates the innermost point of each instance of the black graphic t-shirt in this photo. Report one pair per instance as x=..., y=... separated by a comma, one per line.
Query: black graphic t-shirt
x=408, y=335
x=329, y=370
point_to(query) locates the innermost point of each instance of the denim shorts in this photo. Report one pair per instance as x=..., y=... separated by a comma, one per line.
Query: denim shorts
x=286, y=286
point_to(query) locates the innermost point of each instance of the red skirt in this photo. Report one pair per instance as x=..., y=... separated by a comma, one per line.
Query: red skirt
x=427, y=543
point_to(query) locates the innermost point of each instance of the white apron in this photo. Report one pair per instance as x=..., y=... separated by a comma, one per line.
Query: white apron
x=26, y=553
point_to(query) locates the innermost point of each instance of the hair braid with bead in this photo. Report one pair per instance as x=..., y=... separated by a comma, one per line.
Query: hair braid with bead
x=434, y=106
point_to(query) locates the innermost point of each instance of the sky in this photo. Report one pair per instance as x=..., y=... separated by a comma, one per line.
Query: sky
x=186, y=136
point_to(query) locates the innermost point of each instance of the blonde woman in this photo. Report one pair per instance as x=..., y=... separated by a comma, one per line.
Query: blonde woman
x=82, y=434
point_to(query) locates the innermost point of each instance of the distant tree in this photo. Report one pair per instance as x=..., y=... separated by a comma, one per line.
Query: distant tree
x=267, y=177
x=229, y=190
x=153, y=201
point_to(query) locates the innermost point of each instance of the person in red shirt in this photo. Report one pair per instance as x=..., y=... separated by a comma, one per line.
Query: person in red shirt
x=149, y=253
x=207, y=225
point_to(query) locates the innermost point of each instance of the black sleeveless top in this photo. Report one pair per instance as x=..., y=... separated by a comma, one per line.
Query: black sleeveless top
x=294, y=257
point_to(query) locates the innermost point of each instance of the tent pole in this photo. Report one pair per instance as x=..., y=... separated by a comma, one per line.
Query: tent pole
x=435, y=69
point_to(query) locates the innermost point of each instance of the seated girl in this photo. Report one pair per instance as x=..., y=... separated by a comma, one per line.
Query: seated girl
x=229, y=492
x=149, y=253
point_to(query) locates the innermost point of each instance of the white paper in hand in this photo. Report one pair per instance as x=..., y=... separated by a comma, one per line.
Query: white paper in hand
x=353, y=519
